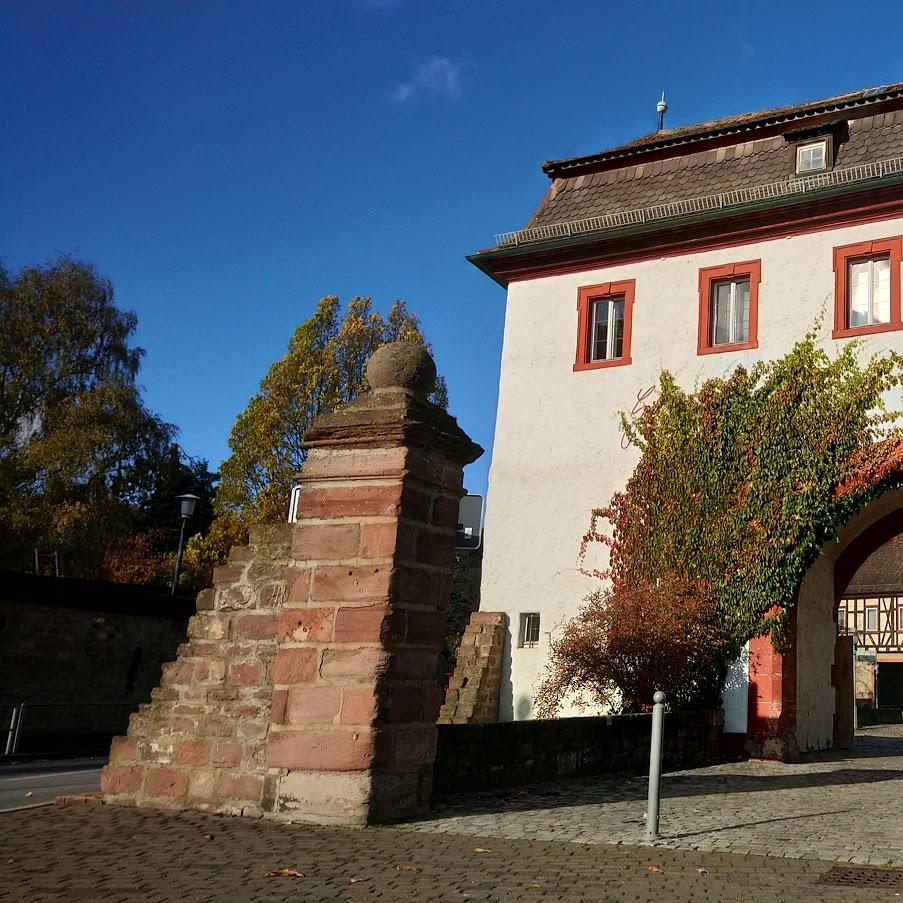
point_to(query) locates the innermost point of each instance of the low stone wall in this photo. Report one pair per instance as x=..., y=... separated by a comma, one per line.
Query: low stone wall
x=476, y=757
x=81, y=654
x=866, y=716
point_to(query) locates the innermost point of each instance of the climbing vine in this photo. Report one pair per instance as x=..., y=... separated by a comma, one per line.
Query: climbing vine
x=739, y=485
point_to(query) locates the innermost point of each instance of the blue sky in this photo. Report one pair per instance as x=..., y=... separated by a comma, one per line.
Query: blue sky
x=226, y=163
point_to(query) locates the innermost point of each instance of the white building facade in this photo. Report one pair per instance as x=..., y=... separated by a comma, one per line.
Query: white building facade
x=693, y=250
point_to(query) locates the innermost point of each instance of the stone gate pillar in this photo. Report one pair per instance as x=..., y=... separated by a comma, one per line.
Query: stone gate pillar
x=308, y=689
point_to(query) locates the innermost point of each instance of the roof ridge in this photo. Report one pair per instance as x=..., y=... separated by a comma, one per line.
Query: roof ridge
x=713, y=127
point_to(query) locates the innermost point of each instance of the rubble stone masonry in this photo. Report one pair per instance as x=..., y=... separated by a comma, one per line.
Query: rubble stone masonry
x=308, y=687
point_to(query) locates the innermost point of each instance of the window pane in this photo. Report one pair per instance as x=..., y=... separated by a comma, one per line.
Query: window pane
x=881, y=290
x=618, y=316
x=842, y=618
x=721, y=313
x=811, y=157
x=871, y=619
x=858, y=294
x=600, y=330
x=741, y=311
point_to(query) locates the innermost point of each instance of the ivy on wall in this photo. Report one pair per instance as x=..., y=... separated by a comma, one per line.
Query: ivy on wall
x=739, y=485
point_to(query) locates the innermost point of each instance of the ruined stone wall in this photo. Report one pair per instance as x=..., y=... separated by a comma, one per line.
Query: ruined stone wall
x=473, y=690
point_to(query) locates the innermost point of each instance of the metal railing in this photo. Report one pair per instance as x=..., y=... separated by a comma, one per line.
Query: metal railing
x=62, y=729
x=686, y=207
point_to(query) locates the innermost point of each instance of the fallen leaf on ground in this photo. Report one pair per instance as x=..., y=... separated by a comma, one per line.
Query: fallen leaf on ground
x=703, y=871
x=653, y=868
x=356, y=880
x=29, y=793
x=284, y=873
x=408, y=868
x=481, y=850
x=206, y=838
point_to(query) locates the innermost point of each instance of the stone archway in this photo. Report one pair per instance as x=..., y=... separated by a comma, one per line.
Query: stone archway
x=792, y=696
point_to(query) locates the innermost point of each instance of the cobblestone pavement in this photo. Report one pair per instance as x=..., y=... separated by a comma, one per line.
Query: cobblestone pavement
x=843, y=806
x=107, y=853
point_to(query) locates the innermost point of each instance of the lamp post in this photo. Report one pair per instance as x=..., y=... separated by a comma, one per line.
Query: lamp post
x=187, y=503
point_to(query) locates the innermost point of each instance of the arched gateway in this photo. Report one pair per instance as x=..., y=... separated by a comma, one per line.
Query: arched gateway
x=801, y=700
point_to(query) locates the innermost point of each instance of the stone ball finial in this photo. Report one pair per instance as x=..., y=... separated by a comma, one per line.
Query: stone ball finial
x=404, y=365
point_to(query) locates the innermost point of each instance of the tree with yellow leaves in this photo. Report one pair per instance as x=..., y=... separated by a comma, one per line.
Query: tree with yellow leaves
x=323, y=368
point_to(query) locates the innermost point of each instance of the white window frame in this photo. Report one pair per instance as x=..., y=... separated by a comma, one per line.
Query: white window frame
x=858, y=261
x=525, y=638
x=841, y=619
x=611, y=301
x=869, y=611
x=809, y=145
x=733, y=281
x=900, y=617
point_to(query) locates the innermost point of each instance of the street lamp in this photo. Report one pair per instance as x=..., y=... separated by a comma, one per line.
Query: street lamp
x=187, y=503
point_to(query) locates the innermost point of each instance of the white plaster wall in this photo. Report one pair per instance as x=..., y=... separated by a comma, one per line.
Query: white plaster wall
x=557, y=452
x=816, y=635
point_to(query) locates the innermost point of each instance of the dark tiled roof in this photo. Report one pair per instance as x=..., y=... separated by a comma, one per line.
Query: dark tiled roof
x=728, y=125
x=696, y=174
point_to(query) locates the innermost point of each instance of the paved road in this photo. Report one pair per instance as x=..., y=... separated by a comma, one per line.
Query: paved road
x=107, y=853
x=38, y=784
x=844, y=806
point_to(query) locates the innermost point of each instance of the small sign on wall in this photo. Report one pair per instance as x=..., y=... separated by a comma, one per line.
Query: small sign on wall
x=469, y=534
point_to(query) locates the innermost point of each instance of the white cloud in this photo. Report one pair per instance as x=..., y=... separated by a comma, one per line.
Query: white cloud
x=439, y=77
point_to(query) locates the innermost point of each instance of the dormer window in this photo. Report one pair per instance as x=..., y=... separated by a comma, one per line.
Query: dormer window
x=812, y=157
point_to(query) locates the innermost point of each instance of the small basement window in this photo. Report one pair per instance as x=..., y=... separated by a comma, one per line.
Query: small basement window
x=812, y=157
x=529, y=631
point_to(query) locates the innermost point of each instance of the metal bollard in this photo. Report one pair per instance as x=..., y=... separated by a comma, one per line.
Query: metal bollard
x=655, y=764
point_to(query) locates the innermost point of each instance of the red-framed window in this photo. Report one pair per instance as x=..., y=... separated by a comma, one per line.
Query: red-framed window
x=604, y=324
x=867, y=287
x=729, y=307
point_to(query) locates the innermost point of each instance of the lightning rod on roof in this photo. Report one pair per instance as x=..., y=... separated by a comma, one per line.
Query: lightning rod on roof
x=661, y=108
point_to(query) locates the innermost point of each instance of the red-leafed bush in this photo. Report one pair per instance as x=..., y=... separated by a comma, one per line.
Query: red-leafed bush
x=624, y=646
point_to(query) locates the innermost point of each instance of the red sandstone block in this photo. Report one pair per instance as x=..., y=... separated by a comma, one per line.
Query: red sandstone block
x=254, y=627
x=350, y=501
x=426, y=628
x=193, y=752
x=361, y=625
x=328, y=750
x=226, y=752
x=487, y=618
x=227, y=573
x=435, y=548
x=278, y=706
x=238, y=786
x=412, y=586
x=347, y=584
x=341, y=664
x=245, y=674
x=124, y=779
x=123, y=750
x=432, y=702
x=415, y=746
x=177, y=673
x=313, y=705
x=254, y=728
x=176, y=726
x=360, y=705
x=209, y=672
x=165, y=782
x=295, y=666
x=445, y=512
x=305, y=624
x=343, y=463
x=206, y=600
x=415, y=505
x=414, y=664
x=453, y=476
x=378, y=540
x=298, y=585
x=405, y=704
x=329, y=541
